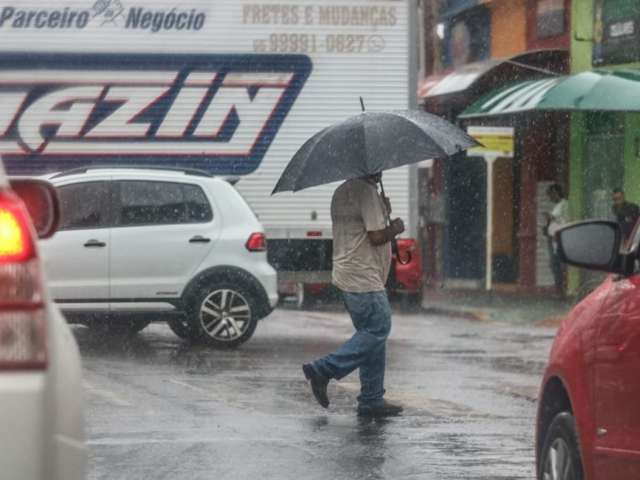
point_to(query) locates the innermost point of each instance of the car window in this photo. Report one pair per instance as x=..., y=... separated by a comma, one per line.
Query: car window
x=84, y=205
x=198, y=207
x=161, y=203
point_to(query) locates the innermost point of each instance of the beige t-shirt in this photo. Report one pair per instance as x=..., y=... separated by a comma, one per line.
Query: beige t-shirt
x=358, y=266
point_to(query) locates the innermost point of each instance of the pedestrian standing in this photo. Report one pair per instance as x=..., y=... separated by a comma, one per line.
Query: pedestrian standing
x=556, y=218
x=361, y=265
x=626, y=213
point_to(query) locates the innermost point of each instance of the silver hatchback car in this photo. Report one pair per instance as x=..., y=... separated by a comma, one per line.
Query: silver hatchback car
x=159, y=244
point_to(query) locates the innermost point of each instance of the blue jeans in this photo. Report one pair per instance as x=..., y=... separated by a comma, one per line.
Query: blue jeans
x=366, y=350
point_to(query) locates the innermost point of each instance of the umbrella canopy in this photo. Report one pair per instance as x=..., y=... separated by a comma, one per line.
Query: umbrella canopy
x=617, y=90
x=369, y=143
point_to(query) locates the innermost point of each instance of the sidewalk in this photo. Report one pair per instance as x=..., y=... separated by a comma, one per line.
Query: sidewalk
x=495, y=306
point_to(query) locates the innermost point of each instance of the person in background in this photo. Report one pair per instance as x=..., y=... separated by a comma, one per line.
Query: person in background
x=626, y=213
x=556, y=218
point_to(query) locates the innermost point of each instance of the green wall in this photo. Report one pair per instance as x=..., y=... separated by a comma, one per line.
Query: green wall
x=581, y=46
x=631, y=159
x=581, y=35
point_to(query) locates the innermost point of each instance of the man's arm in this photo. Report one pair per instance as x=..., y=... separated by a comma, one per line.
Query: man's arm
x=380, y=237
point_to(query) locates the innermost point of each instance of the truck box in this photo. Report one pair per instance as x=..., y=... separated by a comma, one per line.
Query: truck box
x=233, y=87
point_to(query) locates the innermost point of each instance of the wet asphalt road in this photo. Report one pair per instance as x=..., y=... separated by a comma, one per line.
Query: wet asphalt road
x=161, y=409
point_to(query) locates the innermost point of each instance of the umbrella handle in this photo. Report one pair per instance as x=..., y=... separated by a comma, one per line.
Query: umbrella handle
x=394, y=242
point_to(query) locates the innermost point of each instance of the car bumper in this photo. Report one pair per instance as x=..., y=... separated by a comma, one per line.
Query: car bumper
x=71, y=458
x=30, y=448
x=268, y=277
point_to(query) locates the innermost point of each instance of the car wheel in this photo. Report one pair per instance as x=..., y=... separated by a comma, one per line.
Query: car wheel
x=560, y=458
x=181, y=327
x=223, y=315
x=120, y=327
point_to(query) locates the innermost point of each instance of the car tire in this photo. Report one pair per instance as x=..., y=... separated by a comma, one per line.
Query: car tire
x=181, y=327
x=120, y=327
x=222, y=314
x=560, y=457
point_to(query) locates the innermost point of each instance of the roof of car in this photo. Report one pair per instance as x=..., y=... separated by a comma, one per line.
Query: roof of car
x=132, y=168
x=134, y=171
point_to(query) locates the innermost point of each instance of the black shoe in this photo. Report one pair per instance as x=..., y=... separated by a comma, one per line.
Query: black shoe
x=386, y=409
x=318, y=384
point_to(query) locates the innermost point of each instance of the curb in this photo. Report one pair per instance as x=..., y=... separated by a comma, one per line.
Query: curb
x=485, y=315
x=467, y=314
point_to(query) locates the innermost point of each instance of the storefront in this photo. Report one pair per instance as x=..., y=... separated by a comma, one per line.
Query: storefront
x=605, y=141
x=457, y=188
x=593, y=112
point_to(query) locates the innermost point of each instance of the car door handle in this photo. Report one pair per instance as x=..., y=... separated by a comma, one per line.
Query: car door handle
x=95, y=244
x=199, y=239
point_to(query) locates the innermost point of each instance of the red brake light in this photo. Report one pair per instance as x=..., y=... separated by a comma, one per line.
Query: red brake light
x=15, y=233
x=257, y=242
x=22, y=313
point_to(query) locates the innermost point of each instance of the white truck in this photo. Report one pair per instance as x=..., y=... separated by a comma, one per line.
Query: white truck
x=233, y=87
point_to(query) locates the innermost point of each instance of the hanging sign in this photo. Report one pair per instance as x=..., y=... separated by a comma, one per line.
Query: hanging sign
x=494, y=141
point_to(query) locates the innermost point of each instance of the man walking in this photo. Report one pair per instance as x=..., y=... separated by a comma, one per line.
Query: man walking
x=626, y=213
x=361, y=264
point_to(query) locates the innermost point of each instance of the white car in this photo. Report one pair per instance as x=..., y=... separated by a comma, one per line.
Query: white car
x=141, y=245
x=41, y=392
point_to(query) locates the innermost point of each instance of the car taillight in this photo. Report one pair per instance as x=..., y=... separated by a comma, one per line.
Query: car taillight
x=257, y=242
x=22, y=313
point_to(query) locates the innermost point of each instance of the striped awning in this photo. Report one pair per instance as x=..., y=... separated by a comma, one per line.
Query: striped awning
x=606, y=91
x=515, y=98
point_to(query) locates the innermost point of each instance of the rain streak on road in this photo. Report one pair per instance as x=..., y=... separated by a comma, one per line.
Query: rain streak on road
x=161, y=409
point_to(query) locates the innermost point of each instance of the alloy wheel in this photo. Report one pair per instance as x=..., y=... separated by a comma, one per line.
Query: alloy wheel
x=558, y=465
x=225, y=315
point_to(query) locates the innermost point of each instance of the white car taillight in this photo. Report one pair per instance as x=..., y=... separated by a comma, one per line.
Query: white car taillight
x=22, y=314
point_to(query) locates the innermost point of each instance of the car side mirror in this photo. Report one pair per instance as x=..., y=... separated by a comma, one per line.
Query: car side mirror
x=594, y=245
x=41, y=200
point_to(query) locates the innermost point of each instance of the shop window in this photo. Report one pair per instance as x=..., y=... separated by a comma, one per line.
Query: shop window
x=603, y=162
x=467, y=38
x=550, y=18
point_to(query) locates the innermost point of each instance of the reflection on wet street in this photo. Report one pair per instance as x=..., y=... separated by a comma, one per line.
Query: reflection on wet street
x=162, y=409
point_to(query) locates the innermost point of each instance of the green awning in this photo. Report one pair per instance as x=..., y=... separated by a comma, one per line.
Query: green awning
x=595, y=91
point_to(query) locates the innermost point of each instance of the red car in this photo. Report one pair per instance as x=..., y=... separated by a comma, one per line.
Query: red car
x=588, y=423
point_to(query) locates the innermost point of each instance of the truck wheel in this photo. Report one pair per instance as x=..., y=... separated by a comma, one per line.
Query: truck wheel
x=119, y=327
x=414, y=300
x=560, y=459
x=222, y=314
x=301, y=296
x=181, y=327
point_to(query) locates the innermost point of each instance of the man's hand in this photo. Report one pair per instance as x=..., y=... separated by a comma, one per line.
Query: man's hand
x=397, y=226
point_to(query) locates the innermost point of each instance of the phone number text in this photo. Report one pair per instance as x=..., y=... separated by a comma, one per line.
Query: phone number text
x=312, y=43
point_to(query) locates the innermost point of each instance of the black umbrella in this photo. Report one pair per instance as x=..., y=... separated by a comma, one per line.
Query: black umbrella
x=369, y=143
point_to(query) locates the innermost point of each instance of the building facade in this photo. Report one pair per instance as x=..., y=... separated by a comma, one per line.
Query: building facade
x=605, y=144
x=485, y=45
